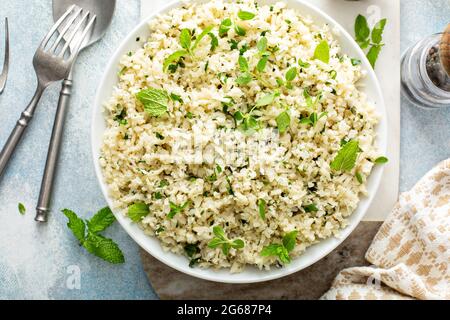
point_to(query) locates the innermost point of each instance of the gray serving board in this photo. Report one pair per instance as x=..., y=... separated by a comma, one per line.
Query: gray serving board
x=309, y=283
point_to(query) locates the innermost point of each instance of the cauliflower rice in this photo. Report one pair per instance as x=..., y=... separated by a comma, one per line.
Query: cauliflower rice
x=200, y=154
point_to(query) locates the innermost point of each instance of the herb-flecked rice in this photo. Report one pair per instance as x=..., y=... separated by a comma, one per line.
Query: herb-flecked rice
x=264, y=82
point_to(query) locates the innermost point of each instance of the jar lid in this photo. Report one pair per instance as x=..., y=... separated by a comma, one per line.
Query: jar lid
x=444, y=49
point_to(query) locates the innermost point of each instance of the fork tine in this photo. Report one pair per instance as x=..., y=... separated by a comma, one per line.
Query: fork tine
x=76, y=29
x=66, y=28
x=56, y=25
x=77, y=44
x=87, y=29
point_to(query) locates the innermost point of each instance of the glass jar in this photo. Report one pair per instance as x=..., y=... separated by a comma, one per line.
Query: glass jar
x=417, y=85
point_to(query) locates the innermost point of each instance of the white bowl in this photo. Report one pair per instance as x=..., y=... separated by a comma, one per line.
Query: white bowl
x=250, y=274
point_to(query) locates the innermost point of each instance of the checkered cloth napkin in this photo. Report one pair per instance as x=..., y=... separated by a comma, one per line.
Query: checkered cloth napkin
x=411, y=251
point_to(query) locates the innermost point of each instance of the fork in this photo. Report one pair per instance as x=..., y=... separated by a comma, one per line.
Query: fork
x=51, y=64
x=4, y=73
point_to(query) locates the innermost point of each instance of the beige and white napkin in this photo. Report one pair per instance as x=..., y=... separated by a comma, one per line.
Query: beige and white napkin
x=411, y=251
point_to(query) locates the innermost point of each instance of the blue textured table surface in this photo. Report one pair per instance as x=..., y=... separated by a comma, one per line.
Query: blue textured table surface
x=40, y=261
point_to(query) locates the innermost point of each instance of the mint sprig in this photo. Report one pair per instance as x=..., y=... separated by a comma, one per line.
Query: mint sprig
x=90, y=238
x=138, y=210
x=345, y=160
x=188, y=47
x=282, y=250
x=370, y=38
x=221, y=240
x=155, y=101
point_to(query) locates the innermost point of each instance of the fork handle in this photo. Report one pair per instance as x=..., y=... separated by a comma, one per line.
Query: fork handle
x=19, y=129
x=43, y=206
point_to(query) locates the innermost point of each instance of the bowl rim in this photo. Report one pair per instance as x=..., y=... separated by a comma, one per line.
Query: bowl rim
x=375, y=176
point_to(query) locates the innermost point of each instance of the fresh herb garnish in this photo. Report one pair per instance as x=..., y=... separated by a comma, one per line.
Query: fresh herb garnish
x=311, y=102
x=310, y=207
x=90, y=239
x=262, y=208
x=175, y=209
x=322, y=52
x=303, y=64
x=121, y=117
x=163, y=183
x=175, y=97
x=283, y=121
x=245, y=15
x=192, y=250
x=224, y=27
x=221, y=240
x=381, y=160
x=355, y=62
x=22, y=209
x=137, y=211
x=345, y=160
x=189, y=46
x=283, y=249
x=267, y=99
x=155, y=101
x=313, y=118
x=159, y=136
x=365, y=37
x=359, y=177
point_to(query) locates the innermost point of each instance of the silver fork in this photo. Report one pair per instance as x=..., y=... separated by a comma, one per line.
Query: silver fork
x=51, y=64
x=4, y=74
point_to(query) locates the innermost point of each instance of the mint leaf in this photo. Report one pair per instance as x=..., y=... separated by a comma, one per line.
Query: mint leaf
x=303, y=64
x=262, y=44
x=313, y=118
x=101, y=220
x=362, y=30
x=237, y=244
x=381, y=160
x=155, y=101
x=185, y=39
x=239, y=30
x=359, y=177
x=245, y=15
x=175, y=97
x=21, y=208
x=291, y=74
x=137, y=211
x=277, y=250
x=310, y=208
x=243, y=64
x=267, y=99
x=103, y=248
x=224, y=27
x=75, y=224
x=322, y=52
x=205, y=32
x=283, y=121
x=262, y=208
x=174, y=57
x=290, y=240
x=191, y=249
x=175, y=209
x=219, y=233
x=244, y=79
x=262, y=64
x=355, y=62
x=373, y=54
x=377, y=31
x=214, y=41
x=220, y=239
x=345, y=160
